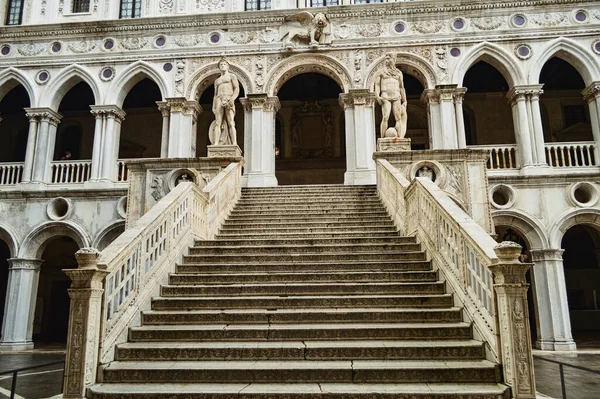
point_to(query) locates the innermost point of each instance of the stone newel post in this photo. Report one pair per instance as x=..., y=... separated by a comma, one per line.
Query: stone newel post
x=513, y=320
x=84, y=323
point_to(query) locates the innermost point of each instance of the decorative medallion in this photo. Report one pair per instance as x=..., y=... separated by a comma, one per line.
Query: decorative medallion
x=342, y=31
x=214, y=37
x=108, y=44
x=399, y=27
x=134, y=43
x=458, y=24
x=168, y=67
x=487, y=23
x=5, y=50
x=268, y=35
x=56, y=47
x=523, y=51
x=548, y=19
x=187, y=40
x=428, y=26
x=42, y=77
x=83, y=46
x=107, y=74
x=241, y=37
x=518, y=20
x=455, y=52
x=159, y=41
x=30, y=49
x=595, y=46
x=369, y=30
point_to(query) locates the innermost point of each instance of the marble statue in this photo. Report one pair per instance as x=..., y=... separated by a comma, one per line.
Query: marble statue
x=305, y=26
x=391, y=96
x=227, y=89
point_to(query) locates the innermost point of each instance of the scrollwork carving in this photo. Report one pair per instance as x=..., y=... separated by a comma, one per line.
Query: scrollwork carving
x=369, y=30
x=30, y=49
x=428, y=26
x=83, y=46
x=488, y=23
x=548, y=19
x=134, y=43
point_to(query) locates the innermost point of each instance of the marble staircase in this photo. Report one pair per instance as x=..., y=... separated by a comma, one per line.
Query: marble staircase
x=307, y=292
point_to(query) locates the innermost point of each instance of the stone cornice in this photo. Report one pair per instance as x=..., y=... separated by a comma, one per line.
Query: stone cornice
x=270, y=18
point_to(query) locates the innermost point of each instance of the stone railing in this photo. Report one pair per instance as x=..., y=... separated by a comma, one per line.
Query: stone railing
x=11, y=173
x=482, y=275
x=69, y=172
x=569, y=155
x=122, y=171
x=132, y=268
x=501, y=156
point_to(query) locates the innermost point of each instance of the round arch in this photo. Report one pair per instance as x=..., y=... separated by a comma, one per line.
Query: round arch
x=11, y=78
x=206, y=76
x=10, y=237
x=494, y=55
x=114, y=227
x=66, y=79
x=303, y=63
x=132, y=75
x=35, y=242
x=568, y=219
x=525, y=225
x=569, y=51
x=416, y=66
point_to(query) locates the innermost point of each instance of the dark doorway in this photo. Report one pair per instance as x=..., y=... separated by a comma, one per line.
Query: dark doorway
x=14, y=128
x=4, y=256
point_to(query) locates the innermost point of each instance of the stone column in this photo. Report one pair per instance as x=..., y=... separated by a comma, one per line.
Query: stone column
x=259, y=140
x=431, y=98
x=106, y=144
x=534, y=93
x=554, y=331
x=448, y=116
x=42, y=152
x=359, y=112
x=518, y=101
x=30, y=150
x=591, y=95
x=182, y=136
x=85, y=314
x=512, y=314
x=23, y=278
x=165, y=111
x=459, y=95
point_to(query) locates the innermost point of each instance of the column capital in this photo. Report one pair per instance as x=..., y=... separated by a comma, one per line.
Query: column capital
x=46, y=114
x=508, y=271
x=591, y=92
x=357, y=97
x=111, y=111
x=523, y=92
x=430, y=96
x=25, y=264
x=540, y=255
x=459, y=94
x=164, y=108
x=183, y=105
x=260, y=100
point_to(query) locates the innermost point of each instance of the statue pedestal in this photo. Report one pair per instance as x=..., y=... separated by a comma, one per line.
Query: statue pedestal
x=393, y=144
x=221, y=151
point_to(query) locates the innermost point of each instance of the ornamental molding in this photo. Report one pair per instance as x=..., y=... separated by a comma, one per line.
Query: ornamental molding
x=487, y=23
x=83, y=46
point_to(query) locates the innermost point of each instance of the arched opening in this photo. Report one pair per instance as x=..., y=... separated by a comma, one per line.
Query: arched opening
x=417, y=122
x=507, y=233
x=14, y=126
x=311, y=138
x=4, y=256
x=488, y=116
x=141, y=131
x=207, y=117
x=51, y=317
x=582, y=276
x=110, y=236
x=565, y=115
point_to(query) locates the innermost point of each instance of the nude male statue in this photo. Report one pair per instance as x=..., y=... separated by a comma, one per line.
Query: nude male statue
x=227, y=89
x=391, y=96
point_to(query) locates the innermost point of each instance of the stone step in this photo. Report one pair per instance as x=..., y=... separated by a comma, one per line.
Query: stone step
x=299, y=391
x=326, y=188
x=293, y=229
x=279, y=277
x=340, y=196
x=332, y=206
x=299, y=289
x=307, y=218
x=198, y=265
x=308, y=213
x=286, y=332
x=307, y=301
x=302, y=350
x=316, y=223
x=306, y=257
x=390, y=239
x=299, y=316
x=290, y=371
x=332, y=235
x=243, y=250
x=367, y=202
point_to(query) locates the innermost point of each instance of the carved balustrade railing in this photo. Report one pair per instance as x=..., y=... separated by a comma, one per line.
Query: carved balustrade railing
x=122, y=171
x=501, y=156
x=134, y=266
x=569, y=155
x=11, y=173
x=485, y=277
x=69, y=172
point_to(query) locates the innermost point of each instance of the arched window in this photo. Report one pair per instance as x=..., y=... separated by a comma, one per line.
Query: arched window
x=15, y=12
x=131, y=9
x=256, y=5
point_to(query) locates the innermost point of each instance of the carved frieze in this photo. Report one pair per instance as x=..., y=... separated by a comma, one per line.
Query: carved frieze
x=487, y=23
x=210, y=5
x=180, y=77
x=134, y=43
x=428, y=26
x=369, y=30
x=242, y=37
x=30, y=49
x=187, y=40
x=343, y=31
x=165, y=6
x=548, y=19
x=83, y=46
x=268, y=35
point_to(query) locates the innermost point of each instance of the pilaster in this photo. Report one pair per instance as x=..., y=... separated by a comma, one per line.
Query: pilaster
x=511, y=287
x=182, y=123
x=359, y=113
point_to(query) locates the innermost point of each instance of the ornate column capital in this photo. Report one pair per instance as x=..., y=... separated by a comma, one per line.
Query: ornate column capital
x=260, y=101
x=430, y=96
x=183, y=105
x=446, y=92
x=355, y=97
x=459, y=94
x=109, y=111
x=541, y=255
x=591, y=92
x=164, y=108
x=43, y=114
x=524, y=92
x=25, y=264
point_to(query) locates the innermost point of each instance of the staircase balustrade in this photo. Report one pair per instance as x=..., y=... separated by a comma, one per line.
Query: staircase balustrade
x=123, y=172
x=476, y=268
x=133, y=267
x=501, y=156
x=68, y=172
x=11, y=173
x=568, y=155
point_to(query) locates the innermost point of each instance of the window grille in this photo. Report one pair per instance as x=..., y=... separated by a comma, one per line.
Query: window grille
x=323, y=3
x=81, y=6
x=367, y=1
x=15, y=12
x=256, y=5
x=131, y=8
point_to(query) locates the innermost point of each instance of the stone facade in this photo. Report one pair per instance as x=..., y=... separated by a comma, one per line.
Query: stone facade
x=543, y=175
